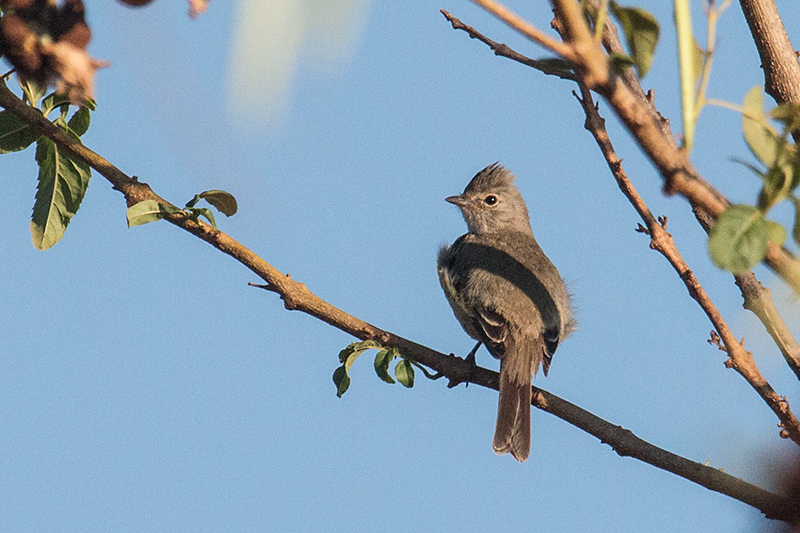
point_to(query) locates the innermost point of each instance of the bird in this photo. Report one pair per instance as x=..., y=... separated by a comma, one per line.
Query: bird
x=507, y=295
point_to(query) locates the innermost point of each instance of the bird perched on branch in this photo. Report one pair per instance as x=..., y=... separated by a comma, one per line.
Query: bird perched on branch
x=507, y=295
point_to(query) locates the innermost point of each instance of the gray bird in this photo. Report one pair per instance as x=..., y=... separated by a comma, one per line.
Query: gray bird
x=507, y=295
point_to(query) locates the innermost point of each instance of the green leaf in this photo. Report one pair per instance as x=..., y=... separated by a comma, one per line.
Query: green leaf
x=357, y=348
x=347, y=357
x=222, y=200
x=204, y=212
x=34, y=90
x=15, y=135
x=382, y=360
x=777, y=182
x=641, y=32
x=148, y=211
x=79, y=123
x=341, y=380
x=555, y=66
x=619, y=62
x=698, y=60
x=757, y=171
x=787, y=113
x=193, y=201
x=738, y=240
x=63, y=181
x=404, y=372
x=777, y=234
x=53, y=101
x=760, y=138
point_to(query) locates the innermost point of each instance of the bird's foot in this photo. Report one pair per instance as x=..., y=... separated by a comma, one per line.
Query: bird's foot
x=470, y=358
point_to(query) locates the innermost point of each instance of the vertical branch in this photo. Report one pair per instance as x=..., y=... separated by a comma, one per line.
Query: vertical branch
x=646, y=126
x=660, y=240
x=683, y=23
x=778, y=57
x=758, y=299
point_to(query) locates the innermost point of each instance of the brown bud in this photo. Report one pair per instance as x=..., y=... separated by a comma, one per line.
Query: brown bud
x=78, y=36
x=21, y=45
x=14, y=30
x=68, y=24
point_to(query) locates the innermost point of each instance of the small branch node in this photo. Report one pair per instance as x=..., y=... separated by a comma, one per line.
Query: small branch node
x=288, y=302
x=662, y=220
x=266, y=286
x=502, y=49
x=642, y=229
x=454, y=382
x=432, y=377
x=716, y=341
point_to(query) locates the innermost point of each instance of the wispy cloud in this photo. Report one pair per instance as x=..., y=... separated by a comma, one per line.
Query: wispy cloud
x=268, y=41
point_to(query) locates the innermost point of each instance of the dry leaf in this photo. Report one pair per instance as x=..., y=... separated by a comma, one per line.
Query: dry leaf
x=197, y=6
x=74, y=70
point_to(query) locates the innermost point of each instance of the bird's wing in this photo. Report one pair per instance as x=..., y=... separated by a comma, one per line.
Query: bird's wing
x=493, y=324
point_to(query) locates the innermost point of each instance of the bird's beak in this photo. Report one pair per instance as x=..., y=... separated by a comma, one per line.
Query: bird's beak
x=459, y=200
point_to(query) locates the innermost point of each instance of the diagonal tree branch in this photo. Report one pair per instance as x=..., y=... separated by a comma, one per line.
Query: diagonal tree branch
x=757, y=298
x=680, y=177
x=297, y=296
x=739, y=359
x=778, y=56
x=662, y=241
x=527, y=29
x=503, y=50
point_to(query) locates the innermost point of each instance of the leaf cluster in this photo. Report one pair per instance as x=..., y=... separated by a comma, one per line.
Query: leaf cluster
x=641, y=31
x=152, y=210
x=641, y=35
x=62, y=179
x=403, y=370
x=738, y=241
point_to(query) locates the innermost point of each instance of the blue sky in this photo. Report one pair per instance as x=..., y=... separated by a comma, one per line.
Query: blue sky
x=145, y=387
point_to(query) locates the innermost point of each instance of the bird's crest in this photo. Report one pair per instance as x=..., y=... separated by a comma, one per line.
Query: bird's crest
x=491, y=178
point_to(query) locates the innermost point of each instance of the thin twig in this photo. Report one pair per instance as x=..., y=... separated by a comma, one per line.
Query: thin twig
x=778, y=57
x=758, y=300
x=525, y=28
x=680, y=177
x=660, y=240
x=504, y=50
x=297, y=296
x=756, y=297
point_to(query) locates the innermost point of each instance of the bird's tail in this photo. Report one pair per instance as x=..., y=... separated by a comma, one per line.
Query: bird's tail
x=513, y=430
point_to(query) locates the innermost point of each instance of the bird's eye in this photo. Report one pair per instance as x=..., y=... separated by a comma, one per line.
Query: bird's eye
x=490, y=200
